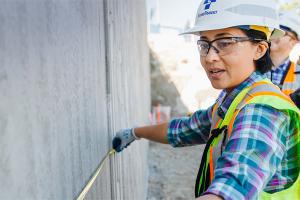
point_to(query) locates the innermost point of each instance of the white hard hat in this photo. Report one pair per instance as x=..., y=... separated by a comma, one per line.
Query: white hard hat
x=219, y=14
x=291, y=21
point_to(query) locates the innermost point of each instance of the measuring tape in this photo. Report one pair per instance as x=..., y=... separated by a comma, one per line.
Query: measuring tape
x=97, y=172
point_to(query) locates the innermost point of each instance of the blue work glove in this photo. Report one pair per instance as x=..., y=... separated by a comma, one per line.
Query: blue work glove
x=123, y=138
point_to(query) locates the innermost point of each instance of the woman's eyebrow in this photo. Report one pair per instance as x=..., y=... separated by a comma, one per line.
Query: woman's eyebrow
x=217, y=36
x=223, y=34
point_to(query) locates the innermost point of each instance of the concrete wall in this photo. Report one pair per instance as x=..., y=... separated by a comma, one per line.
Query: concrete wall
x=71, y=73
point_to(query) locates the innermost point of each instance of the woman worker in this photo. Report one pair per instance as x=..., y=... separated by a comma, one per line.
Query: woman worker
x=252, y=131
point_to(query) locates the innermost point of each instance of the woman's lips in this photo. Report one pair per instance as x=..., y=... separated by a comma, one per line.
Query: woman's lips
x=216, y=73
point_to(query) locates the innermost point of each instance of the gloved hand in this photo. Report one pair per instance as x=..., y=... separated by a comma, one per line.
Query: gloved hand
x=123, y=138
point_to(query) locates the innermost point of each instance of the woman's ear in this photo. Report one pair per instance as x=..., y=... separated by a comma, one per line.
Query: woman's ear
x=261, y=50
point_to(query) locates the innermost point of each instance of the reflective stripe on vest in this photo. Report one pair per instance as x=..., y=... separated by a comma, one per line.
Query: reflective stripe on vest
x=260, y=93
x=292, y=79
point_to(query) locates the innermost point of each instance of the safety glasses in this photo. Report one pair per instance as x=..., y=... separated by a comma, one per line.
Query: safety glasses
x=291, y=35
x=222, y=46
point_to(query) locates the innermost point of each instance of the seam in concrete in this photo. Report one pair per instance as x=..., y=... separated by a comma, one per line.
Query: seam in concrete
x=108, y=88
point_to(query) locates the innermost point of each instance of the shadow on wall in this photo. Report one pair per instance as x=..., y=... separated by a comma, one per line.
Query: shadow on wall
x=163, y=90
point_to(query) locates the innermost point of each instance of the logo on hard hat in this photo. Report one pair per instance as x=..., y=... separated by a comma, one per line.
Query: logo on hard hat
x=207, y=3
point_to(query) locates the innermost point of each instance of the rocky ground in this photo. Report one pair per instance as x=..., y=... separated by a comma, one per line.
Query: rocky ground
x=173, y=171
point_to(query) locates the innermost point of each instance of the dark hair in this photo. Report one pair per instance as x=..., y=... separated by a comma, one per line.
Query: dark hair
x=264, y=64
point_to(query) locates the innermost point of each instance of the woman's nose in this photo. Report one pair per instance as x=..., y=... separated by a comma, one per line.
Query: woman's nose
x=212, y=55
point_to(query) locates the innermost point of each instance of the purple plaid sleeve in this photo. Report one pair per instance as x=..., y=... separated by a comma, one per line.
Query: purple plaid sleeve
x=192, y=130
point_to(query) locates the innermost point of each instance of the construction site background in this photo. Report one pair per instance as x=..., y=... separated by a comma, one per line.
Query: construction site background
x=179, y=83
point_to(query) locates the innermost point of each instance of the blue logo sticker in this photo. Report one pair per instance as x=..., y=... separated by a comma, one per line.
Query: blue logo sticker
x=207, y=3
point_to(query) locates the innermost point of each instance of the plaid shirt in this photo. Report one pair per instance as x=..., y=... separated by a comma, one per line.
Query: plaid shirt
x=255, y=156
x=277, y=74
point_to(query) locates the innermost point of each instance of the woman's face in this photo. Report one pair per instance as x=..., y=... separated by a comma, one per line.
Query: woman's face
x=229, y=68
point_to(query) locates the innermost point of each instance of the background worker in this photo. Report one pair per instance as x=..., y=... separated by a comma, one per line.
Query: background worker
x=285, y=73
x=252, y=132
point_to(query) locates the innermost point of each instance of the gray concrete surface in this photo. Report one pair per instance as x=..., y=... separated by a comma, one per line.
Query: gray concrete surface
x=128, y=92
x=72, y=72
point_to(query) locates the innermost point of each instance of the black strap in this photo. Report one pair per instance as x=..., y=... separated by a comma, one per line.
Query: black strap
x=296, y=97
x=206, y=181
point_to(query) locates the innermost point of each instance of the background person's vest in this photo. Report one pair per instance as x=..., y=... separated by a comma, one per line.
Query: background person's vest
x=291, y=82
x=260, y=93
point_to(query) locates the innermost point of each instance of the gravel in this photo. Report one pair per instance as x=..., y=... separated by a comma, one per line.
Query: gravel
x=173, y=171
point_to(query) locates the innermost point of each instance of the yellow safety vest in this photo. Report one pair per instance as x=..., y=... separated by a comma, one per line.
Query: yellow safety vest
x=263, y=92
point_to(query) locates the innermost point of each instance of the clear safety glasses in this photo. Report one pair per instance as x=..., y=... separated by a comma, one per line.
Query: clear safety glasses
x=291, y=35
x=222, y=46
